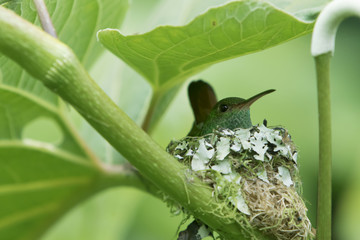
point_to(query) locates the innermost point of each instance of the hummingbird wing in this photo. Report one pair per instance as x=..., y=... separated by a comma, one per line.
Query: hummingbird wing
x=202, y=99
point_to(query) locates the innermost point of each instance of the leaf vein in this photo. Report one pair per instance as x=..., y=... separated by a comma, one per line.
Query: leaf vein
x=43, y=185
x=24, y=215
x=30, y=97
x=47, y=148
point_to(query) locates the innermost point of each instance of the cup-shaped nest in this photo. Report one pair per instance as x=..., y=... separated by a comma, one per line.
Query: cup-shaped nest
x=254, y=171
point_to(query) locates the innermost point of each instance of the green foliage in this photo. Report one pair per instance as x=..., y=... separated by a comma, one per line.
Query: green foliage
x=40, y=180
x=52, y=177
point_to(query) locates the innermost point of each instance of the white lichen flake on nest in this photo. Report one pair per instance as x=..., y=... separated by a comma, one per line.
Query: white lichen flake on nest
x=255, y=169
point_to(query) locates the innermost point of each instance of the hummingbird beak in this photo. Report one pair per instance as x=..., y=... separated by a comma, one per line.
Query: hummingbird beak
x=247, y=103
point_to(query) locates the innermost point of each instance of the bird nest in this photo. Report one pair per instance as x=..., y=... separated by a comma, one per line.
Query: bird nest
x=255, y=172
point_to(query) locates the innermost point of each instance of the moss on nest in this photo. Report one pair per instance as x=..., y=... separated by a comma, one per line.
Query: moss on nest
x=255, y=172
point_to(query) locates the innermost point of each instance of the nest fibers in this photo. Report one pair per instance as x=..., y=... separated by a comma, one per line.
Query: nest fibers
x=253, y=170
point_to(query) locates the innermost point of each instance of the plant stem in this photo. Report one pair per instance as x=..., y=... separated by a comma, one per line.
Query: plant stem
x=54, y=63
x=322, y=48
x=150, y=112
x=114, y=175
x=160, y=100
x=44, y=17
x=324, y=177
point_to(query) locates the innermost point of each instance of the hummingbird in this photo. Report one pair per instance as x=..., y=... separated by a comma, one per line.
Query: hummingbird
x=231, y=113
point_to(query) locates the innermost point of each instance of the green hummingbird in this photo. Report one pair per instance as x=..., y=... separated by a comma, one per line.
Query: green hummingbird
x=210, y=114
x=231, y=113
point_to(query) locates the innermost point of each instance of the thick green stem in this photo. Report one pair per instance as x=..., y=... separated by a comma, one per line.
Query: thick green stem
x=324, y=178
x=56, y=66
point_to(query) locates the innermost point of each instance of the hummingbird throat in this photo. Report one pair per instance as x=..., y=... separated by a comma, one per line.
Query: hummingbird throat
x=230, y=120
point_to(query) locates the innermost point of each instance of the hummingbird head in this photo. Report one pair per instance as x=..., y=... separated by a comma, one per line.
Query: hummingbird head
x=231, y=113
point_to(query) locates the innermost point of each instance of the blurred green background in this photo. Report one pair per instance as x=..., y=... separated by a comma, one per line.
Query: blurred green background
x=124, y=213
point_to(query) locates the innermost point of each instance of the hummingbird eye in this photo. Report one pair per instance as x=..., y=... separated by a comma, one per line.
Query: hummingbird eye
x=223, y=107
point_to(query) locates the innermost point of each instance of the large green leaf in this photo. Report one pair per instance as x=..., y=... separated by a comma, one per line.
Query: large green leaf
x=168, y=55
x=45, y=168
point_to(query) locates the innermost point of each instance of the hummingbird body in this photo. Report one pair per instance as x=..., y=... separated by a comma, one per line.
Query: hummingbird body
x=228, y=113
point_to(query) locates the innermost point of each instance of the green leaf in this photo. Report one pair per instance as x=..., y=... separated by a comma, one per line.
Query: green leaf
x=45, y=167
x=38, y=183
x=76, y=23
x=38, y=180
x=168, y=55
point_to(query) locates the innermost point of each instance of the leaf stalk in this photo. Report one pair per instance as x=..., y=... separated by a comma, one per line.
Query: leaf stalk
x=322, y=48
x=324, y=177
x=154, y=101
x=44, y=17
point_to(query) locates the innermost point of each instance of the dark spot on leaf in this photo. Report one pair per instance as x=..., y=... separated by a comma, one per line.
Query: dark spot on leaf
x=213, y=23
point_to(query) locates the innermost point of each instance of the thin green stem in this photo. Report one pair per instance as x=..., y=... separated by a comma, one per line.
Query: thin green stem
x=322, y=48
x=124, y=175
x=89, y=153
x=151, y=110
x=324, y=178
x=57, y=67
